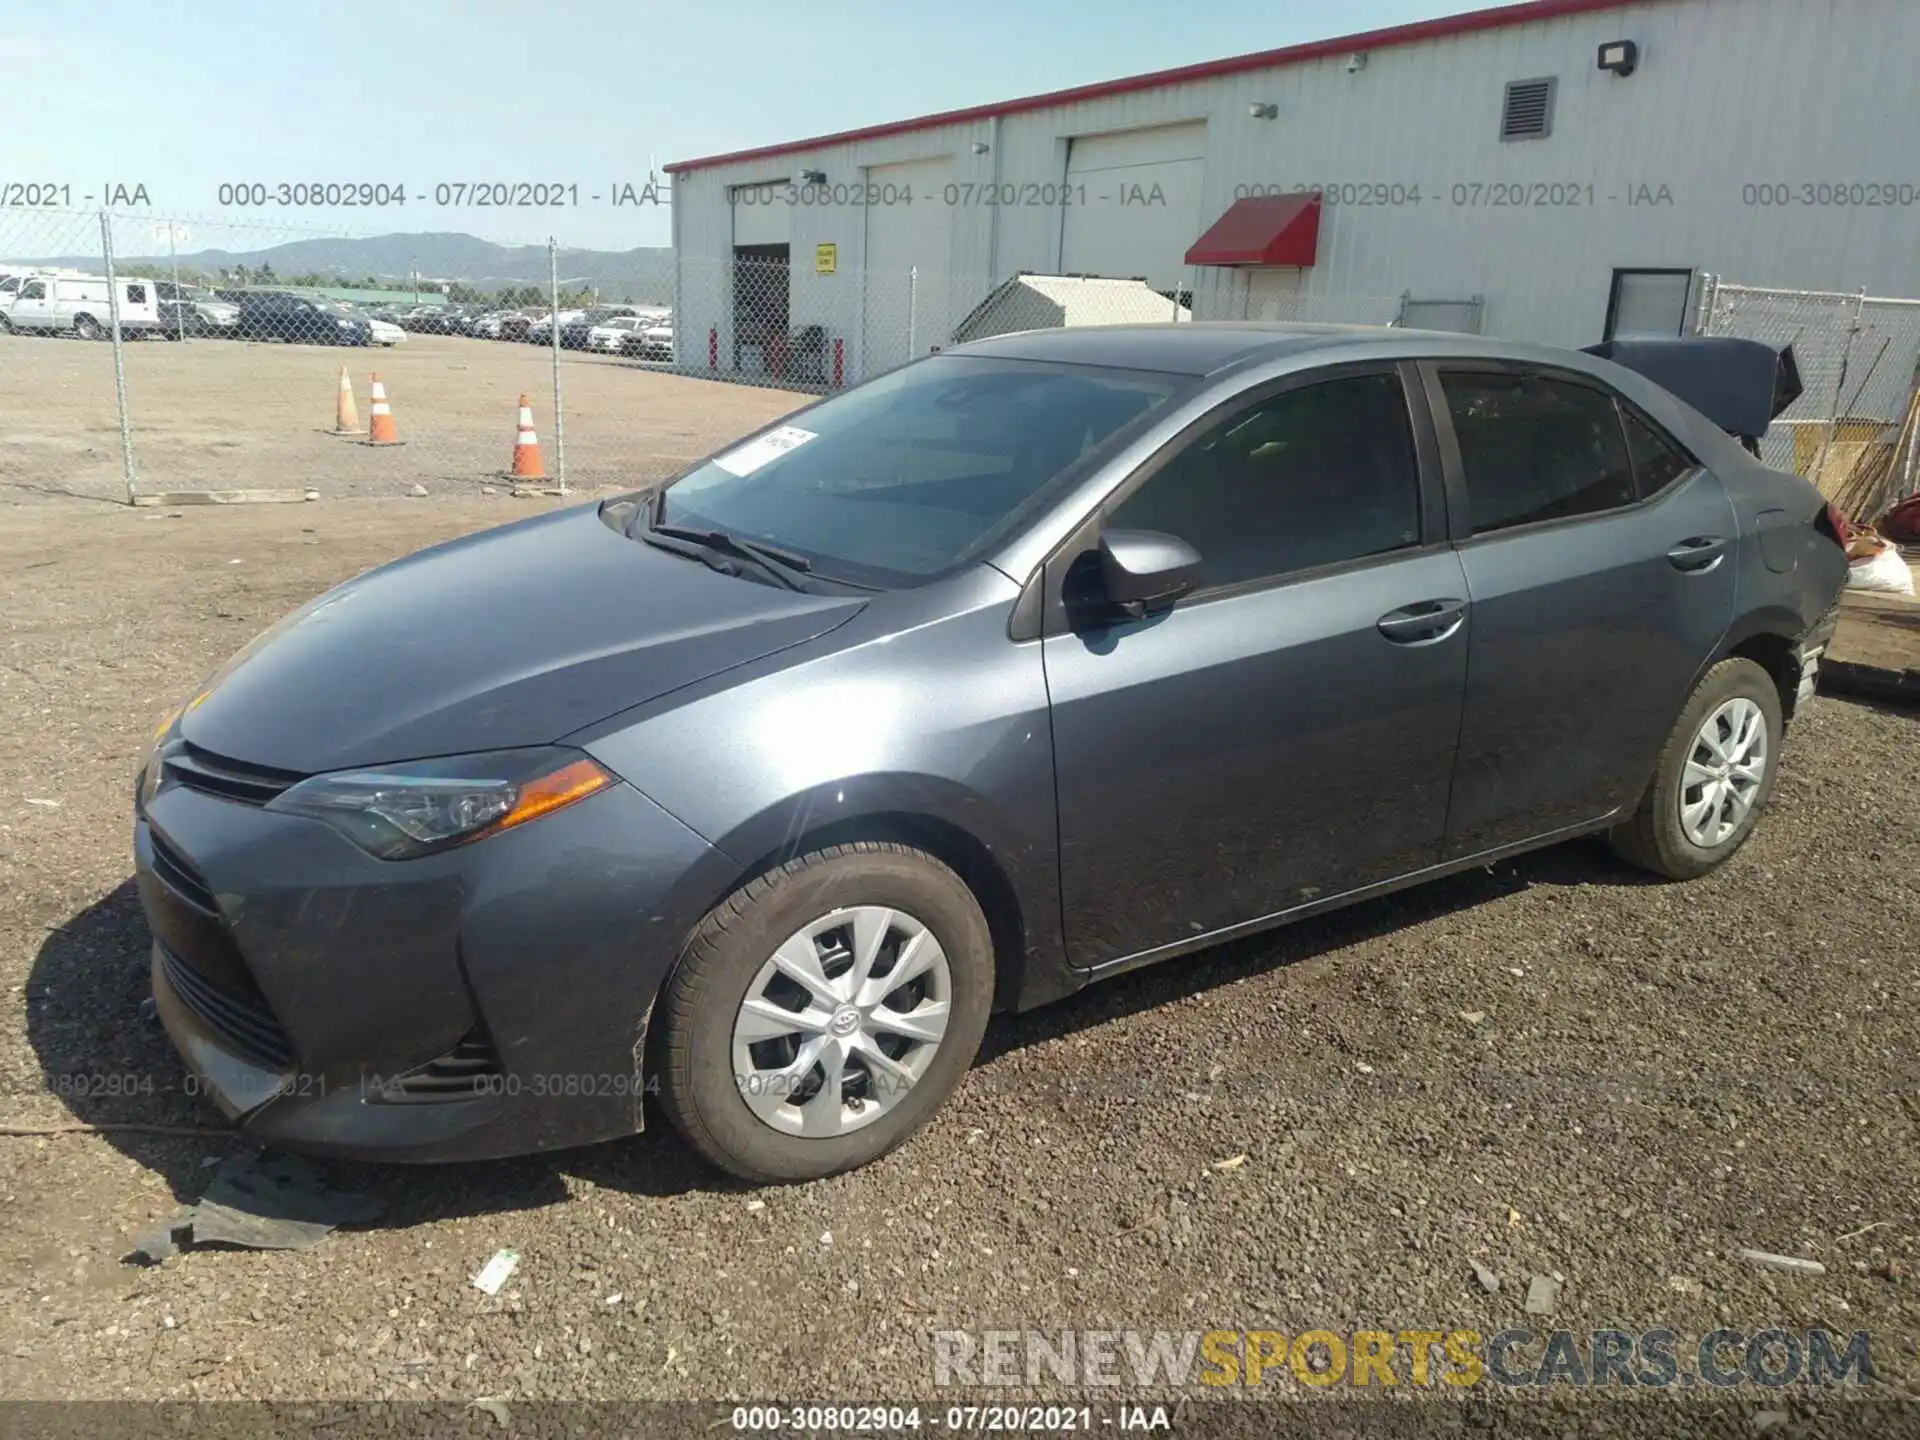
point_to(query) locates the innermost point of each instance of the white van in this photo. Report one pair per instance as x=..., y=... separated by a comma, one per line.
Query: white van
x=78, y=303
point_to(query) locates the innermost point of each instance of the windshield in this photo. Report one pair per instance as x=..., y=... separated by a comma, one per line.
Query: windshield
x=905, y=478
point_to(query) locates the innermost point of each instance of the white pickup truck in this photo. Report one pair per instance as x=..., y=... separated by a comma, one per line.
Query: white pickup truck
x=79, y=304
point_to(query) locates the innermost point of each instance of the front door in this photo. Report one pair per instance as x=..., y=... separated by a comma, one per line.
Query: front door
x=1286, y=731
x=1601, y=575
x=34, y=309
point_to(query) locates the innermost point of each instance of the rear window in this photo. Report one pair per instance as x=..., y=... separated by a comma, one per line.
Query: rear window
x=1535, y=448
x=914, y=474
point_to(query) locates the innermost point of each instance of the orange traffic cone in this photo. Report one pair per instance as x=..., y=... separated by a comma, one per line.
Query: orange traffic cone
x=380, y=429
x=526, y=448
x=346, y=419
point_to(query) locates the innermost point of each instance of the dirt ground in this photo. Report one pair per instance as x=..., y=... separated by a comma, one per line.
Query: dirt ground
x=222, y=414
x=1547, y=1066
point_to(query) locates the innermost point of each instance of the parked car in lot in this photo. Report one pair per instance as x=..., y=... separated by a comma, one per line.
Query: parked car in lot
x=80, y=305
x=297, y=319
x=540, y=332
x=573, y=333
x=194, y=310
x=514, y=323
x=610, y=336
x=652, y=340
x=384, y=332
x=1016, y=668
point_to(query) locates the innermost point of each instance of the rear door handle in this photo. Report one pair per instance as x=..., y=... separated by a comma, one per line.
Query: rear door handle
x=1423, y=622
x=1698, y=554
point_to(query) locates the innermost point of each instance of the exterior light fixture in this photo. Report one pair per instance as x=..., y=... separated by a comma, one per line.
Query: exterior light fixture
x=1619, y=56
x=1264, y=110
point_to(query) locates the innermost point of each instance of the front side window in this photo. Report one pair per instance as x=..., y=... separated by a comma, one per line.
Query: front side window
x=1536, y=448
x=1312, y=476
x=34, y=290
x=911, y=475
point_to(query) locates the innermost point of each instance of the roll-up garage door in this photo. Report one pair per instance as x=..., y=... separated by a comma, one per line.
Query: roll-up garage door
x=909, y=261
x=762, y=214
x=1134, y=203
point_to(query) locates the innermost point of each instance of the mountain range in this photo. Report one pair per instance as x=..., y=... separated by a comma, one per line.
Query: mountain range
x=643, y=275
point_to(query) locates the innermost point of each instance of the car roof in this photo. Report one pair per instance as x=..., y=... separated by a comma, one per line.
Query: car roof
x=1210, y=347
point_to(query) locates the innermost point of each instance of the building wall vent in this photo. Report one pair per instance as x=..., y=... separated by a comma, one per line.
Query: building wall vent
x=1528, y=113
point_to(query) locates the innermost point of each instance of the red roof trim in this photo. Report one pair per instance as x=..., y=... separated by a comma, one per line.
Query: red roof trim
x=1499, y=18
x=1262, y=230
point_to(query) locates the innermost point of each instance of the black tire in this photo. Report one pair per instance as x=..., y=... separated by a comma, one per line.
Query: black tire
x=1654, y=838
x=86, y=327
x=695, y=1015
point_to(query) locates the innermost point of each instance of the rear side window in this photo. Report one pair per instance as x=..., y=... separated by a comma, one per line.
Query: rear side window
x=1657, y=461
x=1312, y=476
x=1536, y=448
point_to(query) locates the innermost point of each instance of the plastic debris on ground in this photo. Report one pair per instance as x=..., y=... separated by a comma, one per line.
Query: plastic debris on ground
x=494, y=1273
x=259, y=1202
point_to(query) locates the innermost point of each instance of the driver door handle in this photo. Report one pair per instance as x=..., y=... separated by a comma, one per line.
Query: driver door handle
x=1423, y=622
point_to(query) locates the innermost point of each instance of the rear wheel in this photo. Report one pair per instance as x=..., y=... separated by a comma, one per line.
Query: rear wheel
x=1713, y=778
x=86, y=327
x=824, y=1011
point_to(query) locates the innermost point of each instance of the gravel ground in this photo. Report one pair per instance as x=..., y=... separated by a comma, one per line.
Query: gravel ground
x=224, y=414
x=1546, y=1066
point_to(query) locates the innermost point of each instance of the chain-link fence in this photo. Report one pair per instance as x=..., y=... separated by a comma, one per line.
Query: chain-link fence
x=768, y=319
x=152, y=357
x=1853, y=431
x=227, y=359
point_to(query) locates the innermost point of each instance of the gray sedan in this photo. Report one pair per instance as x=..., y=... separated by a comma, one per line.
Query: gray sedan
x=1010, y=670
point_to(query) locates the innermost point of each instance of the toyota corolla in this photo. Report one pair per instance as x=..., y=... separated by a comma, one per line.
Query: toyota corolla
x=1013, y=669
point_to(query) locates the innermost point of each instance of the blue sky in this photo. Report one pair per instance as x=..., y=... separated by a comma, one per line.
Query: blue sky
x=183, y=96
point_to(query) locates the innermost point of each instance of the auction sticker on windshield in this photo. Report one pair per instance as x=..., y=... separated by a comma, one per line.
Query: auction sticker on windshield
x=749, y=457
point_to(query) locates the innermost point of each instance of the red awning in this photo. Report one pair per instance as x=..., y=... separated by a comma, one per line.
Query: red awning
x=1262, y=230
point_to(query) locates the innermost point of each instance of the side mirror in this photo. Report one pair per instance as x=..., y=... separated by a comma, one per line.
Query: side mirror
x=1145, y=570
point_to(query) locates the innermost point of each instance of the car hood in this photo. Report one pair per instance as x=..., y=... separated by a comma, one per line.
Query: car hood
x=514, y=636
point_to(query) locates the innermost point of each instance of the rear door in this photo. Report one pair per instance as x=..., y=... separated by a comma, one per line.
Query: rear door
x=1286, y=731
x=1596, y=553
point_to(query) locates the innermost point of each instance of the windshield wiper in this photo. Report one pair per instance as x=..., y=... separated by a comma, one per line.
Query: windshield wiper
x=749, y=549
x=712, y=545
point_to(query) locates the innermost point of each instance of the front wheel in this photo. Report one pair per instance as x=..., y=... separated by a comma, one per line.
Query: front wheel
x=1713, y=777
x=824, y=1011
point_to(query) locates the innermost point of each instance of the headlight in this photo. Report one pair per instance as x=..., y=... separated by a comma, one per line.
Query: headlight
x=428, y=805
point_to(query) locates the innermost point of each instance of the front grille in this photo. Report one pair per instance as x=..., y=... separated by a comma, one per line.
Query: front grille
x=179, y=875
x=462, y=1073
x=244, y=1022
x=196, y=769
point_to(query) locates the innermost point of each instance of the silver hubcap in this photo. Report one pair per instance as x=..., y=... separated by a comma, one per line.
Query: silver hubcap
x=842, y=1022
x=1725, y=766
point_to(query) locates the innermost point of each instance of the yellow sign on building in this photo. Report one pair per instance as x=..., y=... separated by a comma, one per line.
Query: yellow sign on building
x=826, y=259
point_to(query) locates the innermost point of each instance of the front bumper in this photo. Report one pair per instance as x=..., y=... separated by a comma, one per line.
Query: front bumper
x=491, y=1000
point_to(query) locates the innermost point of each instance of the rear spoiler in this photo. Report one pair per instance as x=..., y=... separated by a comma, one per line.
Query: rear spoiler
x=1740, y=385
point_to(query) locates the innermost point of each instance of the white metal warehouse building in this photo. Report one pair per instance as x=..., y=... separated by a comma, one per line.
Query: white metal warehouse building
x=1483, y=171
